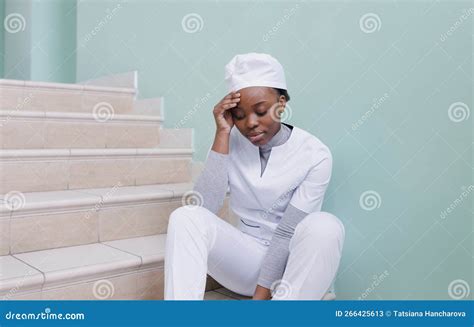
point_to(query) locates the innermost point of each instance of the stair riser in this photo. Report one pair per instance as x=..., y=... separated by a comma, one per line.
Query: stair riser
x=17, y=134
x=147, y=284
x=176, y=138
x=33, y=98
x=4, y=236
x=53, y=230
x=98, y=223
x=51, y=175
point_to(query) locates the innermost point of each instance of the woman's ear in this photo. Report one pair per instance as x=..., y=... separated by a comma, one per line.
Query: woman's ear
x=279, y=107
x=282, y=101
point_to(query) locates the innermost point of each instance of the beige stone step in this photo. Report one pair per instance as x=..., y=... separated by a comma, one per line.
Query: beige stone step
x=48, y=130
x=129, y=80
x=39, y=130
x=149, y=107
x=130, y=269
x=67, y=169
x=17, y=95
x=177, y=138
x=45, y=220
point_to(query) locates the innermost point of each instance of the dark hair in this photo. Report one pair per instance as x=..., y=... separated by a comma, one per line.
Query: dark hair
x=284, y=93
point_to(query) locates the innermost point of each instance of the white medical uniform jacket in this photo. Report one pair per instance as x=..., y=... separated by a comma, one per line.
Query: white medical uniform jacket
x=297, y=173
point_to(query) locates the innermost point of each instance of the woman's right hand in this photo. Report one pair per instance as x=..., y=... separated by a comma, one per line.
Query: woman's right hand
x=222, y=113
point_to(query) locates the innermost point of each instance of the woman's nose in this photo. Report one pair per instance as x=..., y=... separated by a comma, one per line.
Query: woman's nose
x=252, y=121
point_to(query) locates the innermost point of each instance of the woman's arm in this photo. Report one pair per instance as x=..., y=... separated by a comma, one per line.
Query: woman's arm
x=274, y=262
x=221, y=142
x=213, y=182
x=262, y=293
x=308, y=197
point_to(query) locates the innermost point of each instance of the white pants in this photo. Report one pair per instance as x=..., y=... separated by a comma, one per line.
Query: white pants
x=200, y=243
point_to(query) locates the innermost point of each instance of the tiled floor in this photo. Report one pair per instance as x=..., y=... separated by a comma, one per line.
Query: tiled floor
x=224, y=294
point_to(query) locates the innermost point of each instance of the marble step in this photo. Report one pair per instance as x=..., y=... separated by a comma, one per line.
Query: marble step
x=39, y=130
x=48, y=130
x=130, y=269
x=45, y=220
x=38, y=170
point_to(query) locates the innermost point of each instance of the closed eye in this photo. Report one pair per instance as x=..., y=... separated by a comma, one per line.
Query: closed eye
x=237, y=115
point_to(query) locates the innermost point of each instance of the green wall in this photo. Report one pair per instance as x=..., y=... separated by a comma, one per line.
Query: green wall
x=54, y=36
x=17, y=39
x=379, y=100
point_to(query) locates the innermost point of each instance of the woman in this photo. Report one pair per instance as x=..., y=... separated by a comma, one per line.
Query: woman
x=284, y=246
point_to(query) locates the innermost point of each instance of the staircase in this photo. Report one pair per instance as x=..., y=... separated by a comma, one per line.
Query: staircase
x=88, y=179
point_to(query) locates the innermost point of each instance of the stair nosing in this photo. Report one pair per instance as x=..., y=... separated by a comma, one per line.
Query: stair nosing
x=24, y=283
x=7, y=155
x=80, y=274
x=76, y=274
x=66, y=86
x=78, y=116
x=164, y=193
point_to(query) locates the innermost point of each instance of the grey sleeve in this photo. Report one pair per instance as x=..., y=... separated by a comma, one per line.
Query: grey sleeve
x=213, y=182
x=275, y=260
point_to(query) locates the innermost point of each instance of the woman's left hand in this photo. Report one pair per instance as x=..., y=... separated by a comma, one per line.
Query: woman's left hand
x=262, y=293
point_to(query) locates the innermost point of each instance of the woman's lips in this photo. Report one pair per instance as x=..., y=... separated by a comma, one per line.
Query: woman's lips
x=255, y=137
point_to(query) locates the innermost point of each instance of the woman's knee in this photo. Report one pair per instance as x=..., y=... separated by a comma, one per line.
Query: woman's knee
x=186, y=215
x=324, y=225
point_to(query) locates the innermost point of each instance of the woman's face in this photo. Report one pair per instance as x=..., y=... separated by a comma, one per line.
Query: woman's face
x=258, y=112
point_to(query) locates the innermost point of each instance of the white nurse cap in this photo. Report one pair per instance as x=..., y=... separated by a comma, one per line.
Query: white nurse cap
x=254, y=69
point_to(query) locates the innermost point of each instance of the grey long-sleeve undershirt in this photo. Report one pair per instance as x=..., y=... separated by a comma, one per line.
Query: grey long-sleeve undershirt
x=212, y=185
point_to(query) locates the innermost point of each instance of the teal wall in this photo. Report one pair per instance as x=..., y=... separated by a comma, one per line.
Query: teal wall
x=379, y=100
x=54, y=41
x=17, y=39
